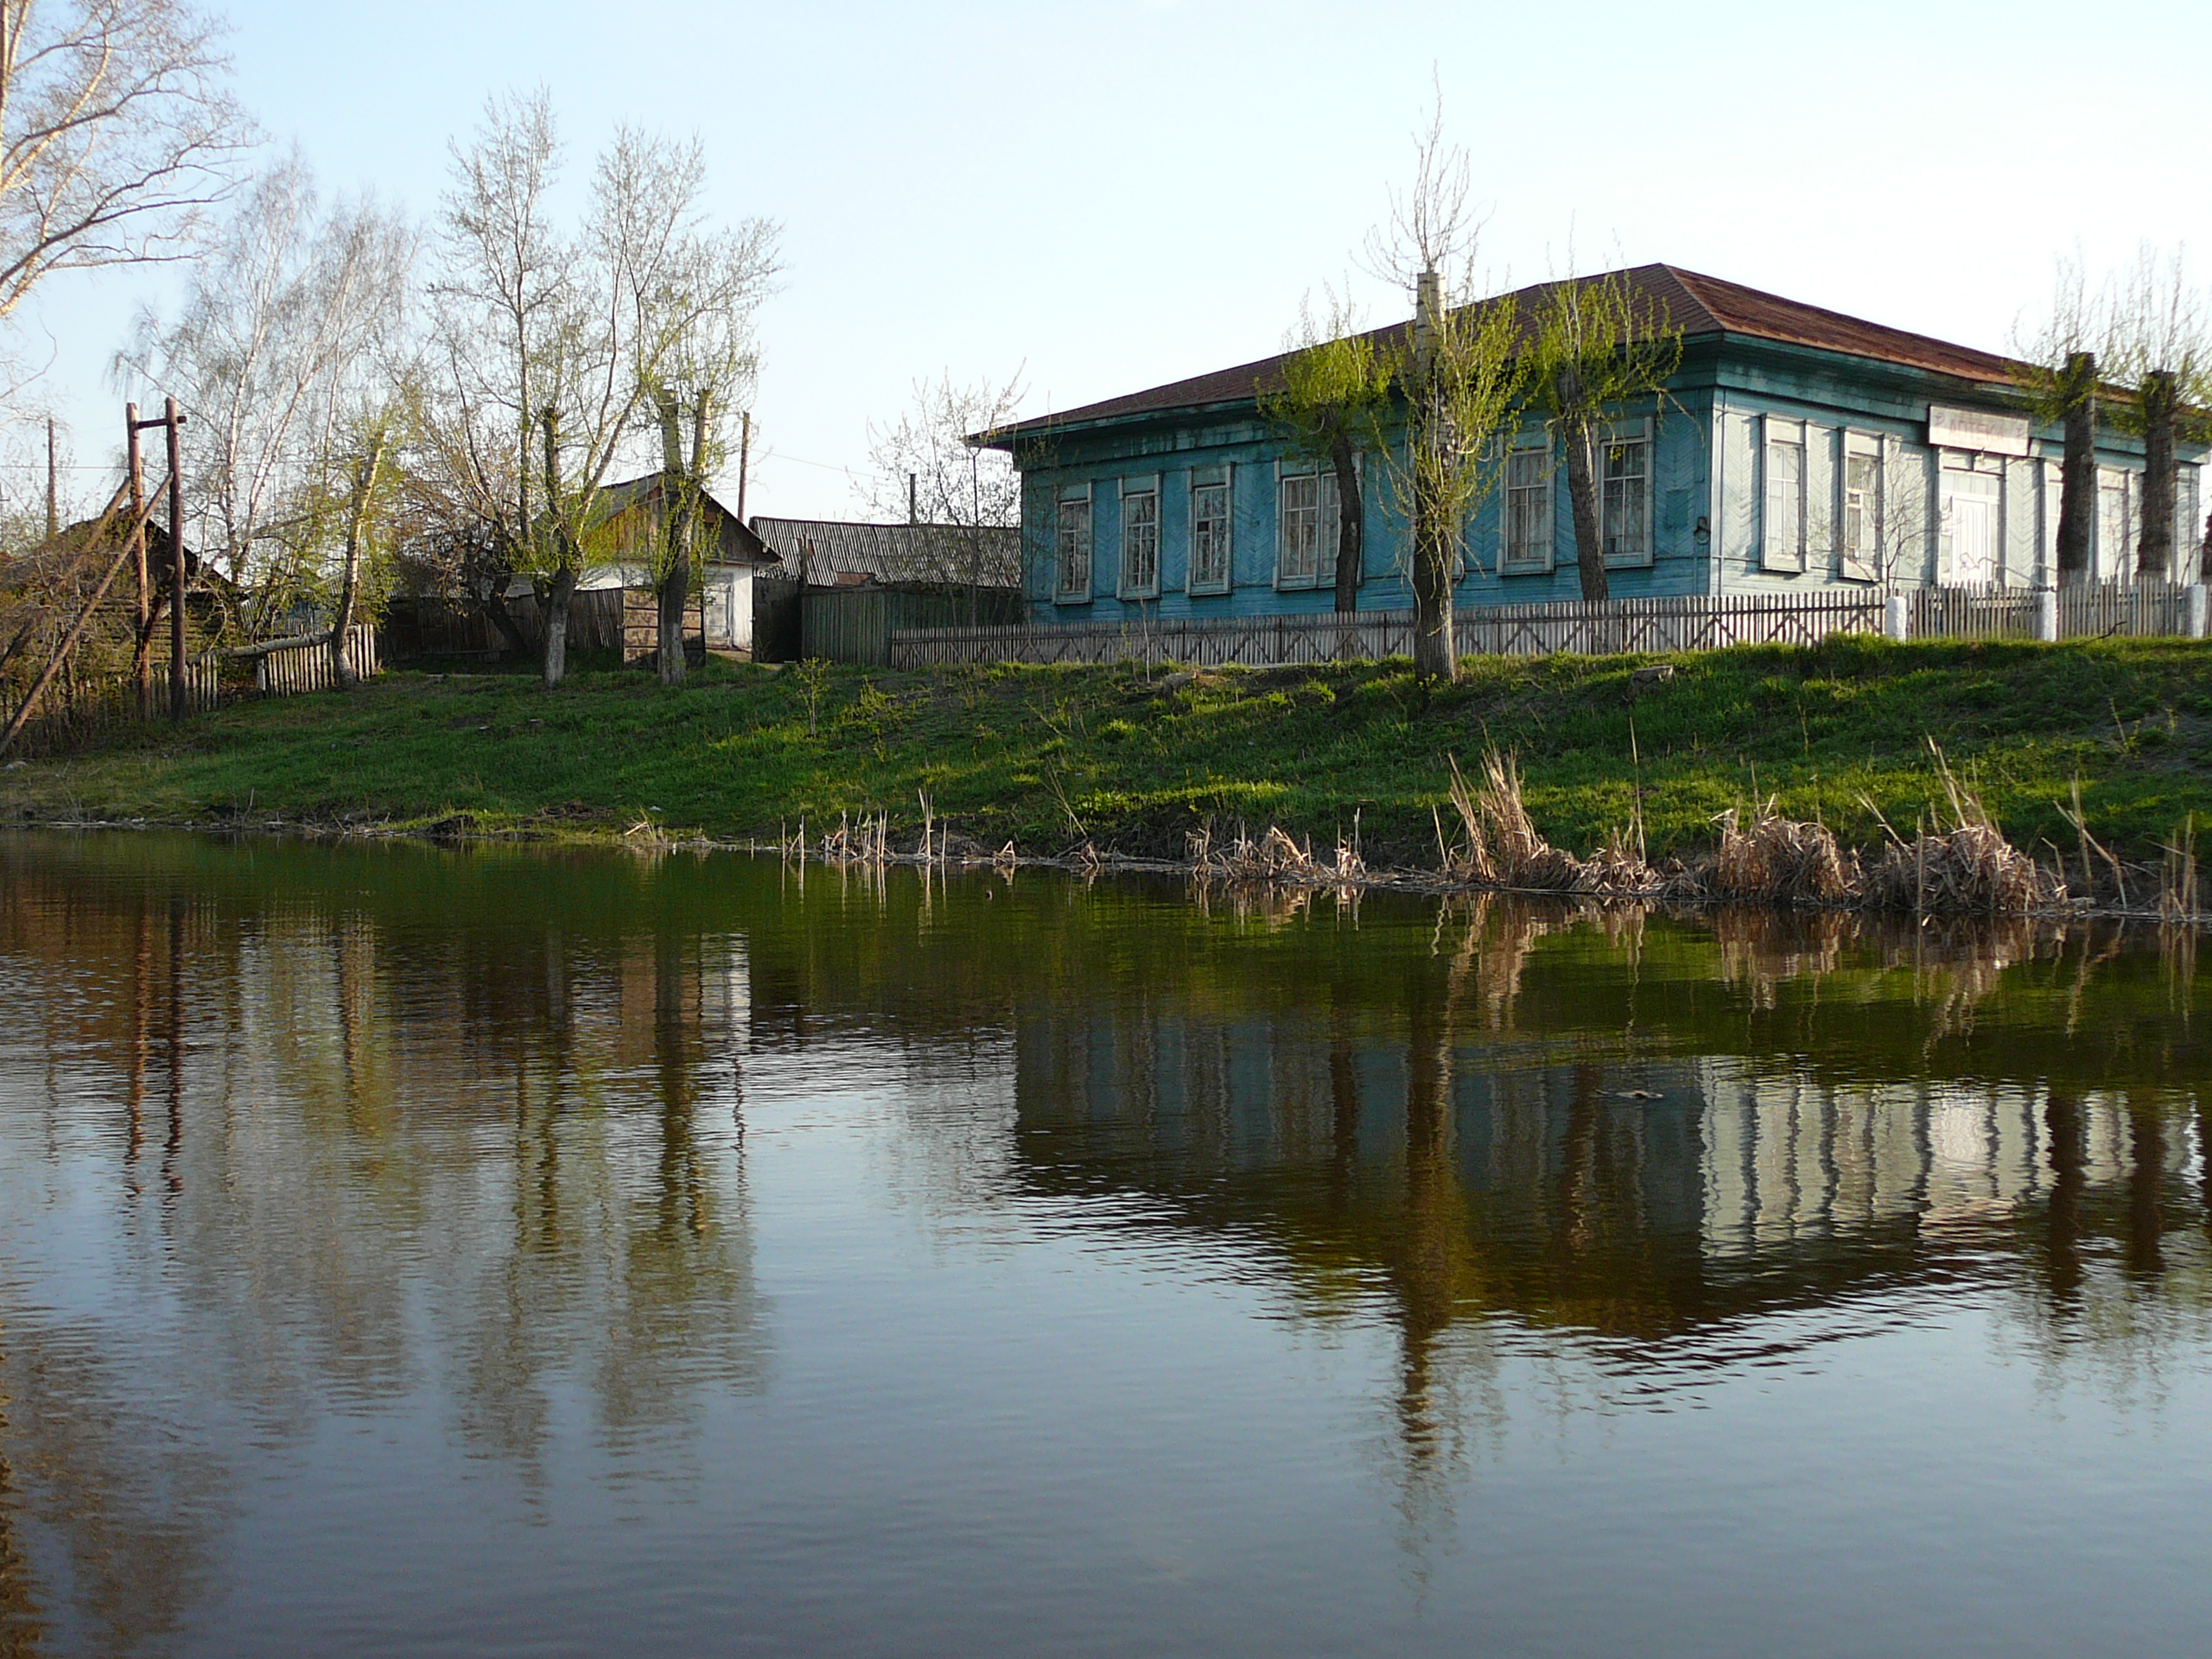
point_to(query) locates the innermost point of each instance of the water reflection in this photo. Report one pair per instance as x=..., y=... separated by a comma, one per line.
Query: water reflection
x=294, y=1131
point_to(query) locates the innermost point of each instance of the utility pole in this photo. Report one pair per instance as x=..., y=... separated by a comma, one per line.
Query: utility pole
x=173, y=418
x=142, y=640
x=53, y=485
x=744, y=460
x=913, y=498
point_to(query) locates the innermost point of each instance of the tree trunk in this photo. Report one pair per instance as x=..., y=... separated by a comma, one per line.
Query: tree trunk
x=1351, y=535
x=2155, y=553
x=673, y=593
x=675, y=584
x=349, y=591
x=553, y=597
x=1435, y=654
x=1582, y=498
x=2077, y=500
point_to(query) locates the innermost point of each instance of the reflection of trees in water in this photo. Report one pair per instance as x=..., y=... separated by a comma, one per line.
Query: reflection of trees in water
x=90, y=1465
x=1524, y=1121
x=519, y=1138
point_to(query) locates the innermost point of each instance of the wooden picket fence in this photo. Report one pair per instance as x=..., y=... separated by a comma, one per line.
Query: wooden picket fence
x=1695, y=622
x=76, y=713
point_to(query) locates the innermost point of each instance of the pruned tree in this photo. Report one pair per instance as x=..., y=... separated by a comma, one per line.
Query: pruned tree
x=1330, y=404
x=1596, y=346
x=294, y=322
x=2159, y=347
x=2056, y=368
x=116, y=129
x=1465, y=375
x=932, y=468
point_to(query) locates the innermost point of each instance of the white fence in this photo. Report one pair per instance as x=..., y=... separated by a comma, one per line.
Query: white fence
x=1691, y=623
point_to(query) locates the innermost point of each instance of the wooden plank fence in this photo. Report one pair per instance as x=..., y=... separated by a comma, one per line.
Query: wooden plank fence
x=76, y=713
x=1697, y=622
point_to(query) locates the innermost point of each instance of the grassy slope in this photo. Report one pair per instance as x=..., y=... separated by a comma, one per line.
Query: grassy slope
x=1049, y=757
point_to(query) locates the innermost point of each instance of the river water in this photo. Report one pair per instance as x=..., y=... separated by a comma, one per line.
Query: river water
x=504, y=1252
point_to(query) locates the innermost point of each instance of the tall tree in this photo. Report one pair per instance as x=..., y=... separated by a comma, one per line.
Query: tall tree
x=1598, y=346
x=1464, y=375
x=116, y=129
x=554, y=350
x=1330, y=404
x=289, y=323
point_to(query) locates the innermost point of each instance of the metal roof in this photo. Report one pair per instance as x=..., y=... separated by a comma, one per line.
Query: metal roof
x=1702, y=307
x=830, y=551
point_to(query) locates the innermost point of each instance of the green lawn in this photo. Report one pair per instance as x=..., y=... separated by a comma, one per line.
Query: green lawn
x=1050, y=758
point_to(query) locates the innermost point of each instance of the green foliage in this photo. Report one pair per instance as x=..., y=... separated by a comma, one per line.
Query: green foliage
x=1331, y=388
x=1018, y=753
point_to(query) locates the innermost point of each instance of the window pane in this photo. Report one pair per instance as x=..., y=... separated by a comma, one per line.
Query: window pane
x=1140, y=542
x=1528, y=509
x=1622, y=513
x=1210, y=536
x=1075, y=547
x=1298, y=554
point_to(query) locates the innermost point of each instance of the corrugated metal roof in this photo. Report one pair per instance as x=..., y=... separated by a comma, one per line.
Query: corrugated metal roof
x=1702, y=307
x=831, y=550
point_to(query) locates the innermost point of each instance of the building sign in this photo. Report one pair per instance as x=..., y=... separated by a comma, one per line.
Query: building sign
x=1977, y=430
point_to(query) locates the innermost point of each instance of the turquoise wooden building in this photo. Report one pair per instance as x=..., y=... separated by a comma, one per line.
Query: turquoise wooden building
x=1795, y=449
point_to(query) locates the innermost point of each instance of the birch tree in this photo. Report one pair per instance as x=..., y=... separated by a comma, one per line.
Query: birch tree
x=116, y=129
x=1463, y=378
x=1598, y=346
x=555, y=350
x=290, y=322
x=1334, y=392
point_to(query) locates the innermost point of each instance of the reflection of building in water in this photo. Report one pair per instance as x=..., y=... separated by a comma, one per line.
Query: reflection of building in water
x=1634, y=1195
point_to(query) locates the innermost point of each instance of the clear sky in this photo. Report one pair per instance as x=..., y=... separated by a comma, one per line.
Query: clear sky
x=1103, y=196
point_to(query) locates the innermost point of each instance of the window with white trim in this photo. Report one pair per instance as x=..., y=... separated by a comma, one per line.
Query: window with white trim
x=1782, y=542
x=1624, y=493
x=1074, y=546
x=1860, y=508
x=2116, y=515
x=1209, y=499
x=1528, y=527
x=1139, y=538
x=1306, y=525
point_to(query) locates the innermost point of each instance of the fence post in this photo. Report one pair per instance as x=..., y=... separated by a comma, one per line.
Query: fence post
x=2044, y=625
x=1896, y=615
x=2196, y=610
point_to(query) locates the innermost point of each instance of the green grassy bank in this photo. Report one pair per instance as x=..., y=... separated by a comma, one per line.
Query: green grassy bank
x=1051, y=758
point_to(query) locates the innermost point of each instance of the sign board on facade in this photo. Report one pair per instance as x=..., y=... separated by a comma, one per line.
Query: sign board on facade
x=1977, y=429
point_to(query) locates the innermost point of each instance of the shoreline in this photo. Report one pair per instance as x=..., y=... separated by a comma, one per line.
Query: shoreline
x=1090, y=862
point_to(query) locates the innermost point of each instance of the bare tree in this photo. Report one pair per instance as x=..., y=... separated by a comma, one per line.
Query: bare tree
x=291, y=323
x=554, y=350
x=1335, y=390
x=932, y=467
x=1464, y=376
x=2159, y=345
x=1598, y=345
x=116, y=129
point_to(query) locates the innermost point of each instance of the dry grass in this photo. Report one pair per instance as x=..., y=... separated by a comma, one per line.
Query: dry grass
x=1969, y=868
x=1499, y=846
x=1776, y=861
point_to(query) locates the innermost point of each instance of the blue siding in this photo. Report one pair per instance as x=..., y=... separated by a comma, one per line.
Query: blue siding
x=1706, y=474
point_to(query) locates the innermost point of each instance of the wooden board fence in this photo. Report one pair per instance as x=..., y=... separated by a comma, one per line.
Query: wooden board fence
x=74, y=713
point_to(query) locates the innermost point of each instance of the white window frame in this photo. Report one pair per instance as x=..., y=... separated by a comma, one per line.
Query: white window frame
x=1067, y=555
x=1145, y=490
x=1988, y=486
x=1325, y=511
x=1776, y=551
x=1864, y=562
x=2116, y=564
x=1622, y=433
x=1222, y=478
x=1537, y=444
